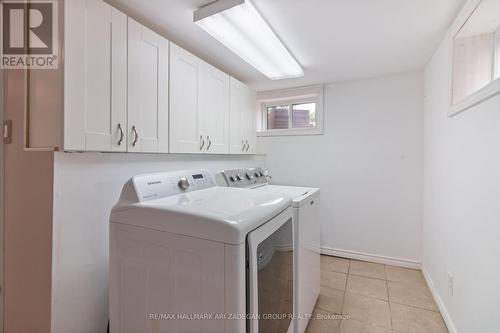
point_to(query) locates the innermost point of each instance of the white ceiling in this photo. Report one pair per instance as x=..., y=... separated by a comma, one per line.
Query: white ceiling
x=333, y=40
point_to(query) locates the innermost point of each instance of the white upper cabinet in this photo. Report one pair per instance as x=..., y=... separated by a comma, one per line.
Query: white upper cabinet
x=249, y=120
x=95, y=96
x=199, y=105
x=147, y=90
x=128, y=89
x=215, y=110
x=185, y=87
x=242, y=118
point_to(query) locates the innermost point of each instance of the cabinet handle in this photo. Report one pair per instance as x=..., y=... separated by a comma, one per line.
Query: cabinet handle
x=209, y=143
x=248, y=146
x=121, y=135
x=136, y=135
x=202, y=142
x=243, y=145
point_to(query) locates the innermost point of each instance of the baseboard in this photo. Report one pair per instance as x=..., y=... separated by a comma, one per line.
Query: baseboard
x=397, y=262
x=372, y=258
x=439, y=302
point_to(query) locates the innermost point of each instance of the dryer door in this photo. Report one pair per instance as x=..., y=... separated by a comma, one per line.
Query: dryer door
x=270, y=278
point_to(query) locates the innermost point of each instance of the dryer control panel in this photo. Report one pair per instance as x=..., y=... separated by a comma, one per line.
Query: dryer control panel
x=251, y=177
x=160, y=185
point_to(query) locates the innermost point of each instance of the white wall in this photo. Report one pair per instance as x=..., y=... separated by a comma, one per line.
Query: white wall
x=368, y=165
x=462, y=202
x=86, y=187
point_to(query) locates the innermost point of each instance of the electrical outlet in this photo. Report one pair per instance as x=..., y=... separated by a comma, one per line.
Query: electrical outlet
x=450, y=283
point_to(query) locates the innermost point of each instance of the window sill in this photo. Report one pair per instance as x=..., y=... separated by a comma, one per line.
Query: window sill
x=288, y=132
x=476, y=98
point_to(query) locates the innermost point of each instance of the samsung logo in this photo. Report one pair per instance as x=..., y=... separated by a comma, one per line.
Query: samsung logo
x=156, y=182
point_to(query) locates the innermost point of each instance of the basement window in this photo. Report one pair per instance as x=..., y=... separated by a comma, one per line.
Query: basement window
x=296, y=111
x=476, y=55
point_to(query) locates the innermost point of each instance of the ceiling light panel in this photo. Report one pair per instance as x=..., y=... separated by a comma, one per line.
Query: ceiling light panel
x=239, y=26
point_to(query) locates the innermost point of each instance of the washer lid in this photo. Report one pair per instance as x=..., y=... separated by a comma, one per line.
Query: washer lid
x=299, y=195
x=220, y=214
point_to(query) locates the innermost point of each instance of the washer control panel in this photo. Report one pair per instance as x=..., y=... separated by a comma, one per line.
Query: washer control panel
x=250, y=177
x=160, y=185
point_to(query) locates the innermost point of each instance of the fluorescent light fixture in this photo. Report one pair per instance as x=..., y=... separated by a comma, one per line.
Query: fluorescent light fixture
x=238, y=25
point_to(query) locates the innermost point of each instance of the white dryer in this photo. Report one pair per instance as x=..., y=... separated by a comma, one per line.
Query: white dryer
x=305, y=204
x=189, y=256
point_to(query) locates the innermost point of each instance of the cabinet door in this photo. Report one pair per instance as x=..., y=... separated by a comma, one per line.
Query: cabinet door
x=147, y=90
x=236, y=101
x=249, y=120
x=214, y=110
x=185, y=89
x=95, y=76
x=242, y=118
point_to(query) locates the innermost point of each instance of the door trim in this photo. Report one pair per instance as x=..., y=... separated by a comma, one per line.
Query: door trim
x=2, y=250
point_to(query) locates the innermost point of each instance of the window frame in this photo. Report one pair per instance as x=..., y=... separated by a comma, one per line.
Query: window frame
x=483, y=94
x=290, y=97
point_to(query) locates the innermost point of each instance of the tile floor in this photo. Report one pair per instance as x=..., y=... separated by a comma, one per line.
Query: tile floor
x=362, y=297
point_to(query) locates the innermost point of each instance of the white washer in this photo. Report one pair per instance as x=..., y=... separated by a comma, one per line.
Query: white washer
x=305, y=204
x=189, y=256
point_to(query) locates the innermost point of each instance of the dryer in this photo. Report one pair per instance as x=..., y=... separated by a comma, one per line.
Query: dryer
x=305, y=205
x=189, y=256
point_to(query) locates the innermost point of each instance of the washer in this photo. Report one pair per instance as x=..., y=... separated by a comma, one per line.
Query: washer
x=305, y=204
x=189, y=256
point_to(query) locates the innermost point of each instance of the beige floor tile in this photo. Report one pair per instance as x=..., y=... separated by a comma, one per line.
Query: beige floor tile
x=400, y=274
x=414, y=293
x=367, y=310
x=323, y=322
x=330, y=300
x=408, y=319
x=333, y=280
x=367, y=287
x=334, y=264
x=354, y=326
x=367, y=269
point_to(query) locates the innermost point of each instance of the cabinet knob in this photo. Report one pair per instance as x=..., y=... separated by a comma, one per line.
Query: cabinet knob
x=136, y=135
x=121, y=135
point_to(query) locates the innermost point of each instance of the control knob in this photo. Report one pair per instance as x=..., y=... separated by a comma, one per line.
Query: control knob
x=239, y=176
x=183, y=183
x=249, y=176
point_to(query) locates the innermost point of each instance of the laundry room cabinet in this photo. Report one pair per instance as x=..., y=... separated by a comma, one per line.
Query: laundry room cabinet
x=121, y=87
x=215, y=110
x=95, y=77
x=116, y=82
x=147, y=90
x=199, y=105
x=242, y=129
